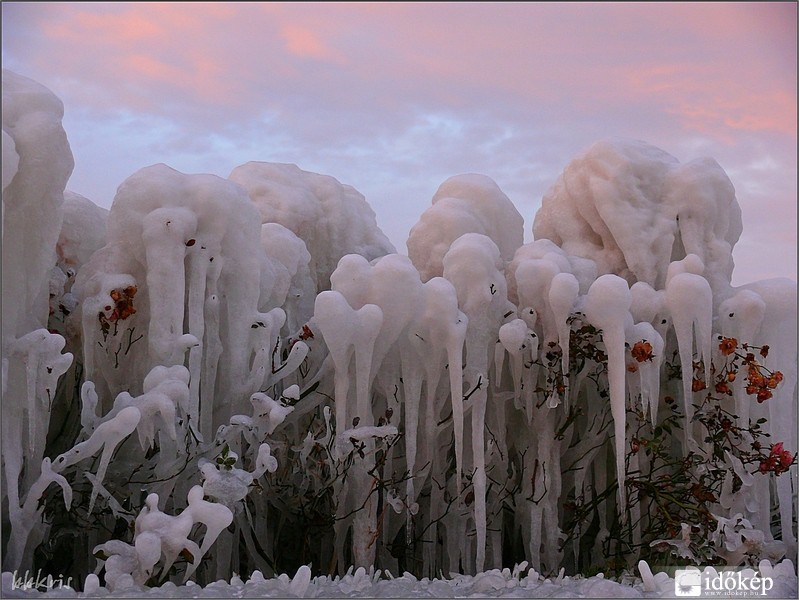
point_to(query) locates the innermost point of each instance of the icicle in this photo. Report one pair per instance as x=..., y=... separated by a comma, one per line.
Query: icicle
x=778, y=331
x=455, y=357
x=165, y=232
x=369, y=322
x=479, y=477
x=197, y=276
x=514, y=337
x=649, y=369
x=740, y=317
x=607, y=308
x=563, y=293
x=29, y=347
x=689, y=301
x=412, y=377
x=337, y=327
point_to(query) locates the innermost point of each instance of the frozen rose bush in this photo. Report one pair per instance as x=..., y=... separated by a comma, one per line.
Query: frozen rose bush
x=241, y=375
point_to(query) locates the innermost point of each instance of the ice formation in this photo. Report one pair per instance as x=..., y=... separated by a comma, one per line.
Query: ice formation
x=241, y=375
x=633, y=209
x=333, y=219
x=469, y=203
x=39, y=165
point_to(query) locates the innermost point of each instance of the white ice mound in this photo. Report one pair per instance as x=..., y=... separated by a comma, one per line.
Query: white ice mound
x=633, y=209
x=463, y=204
x=39, y=165
x=188, y=247
x=333, y=219
x=82, y=231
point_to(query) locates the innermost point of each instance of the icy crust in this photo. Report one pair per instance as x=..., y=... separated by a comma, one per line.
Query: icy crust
x=333, y=219
x=468, y=203
x=362, y=583
x=633, y=209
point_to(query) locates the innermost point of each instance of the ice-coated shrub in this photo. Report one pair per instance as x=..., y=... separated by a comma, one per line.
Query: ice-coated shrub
x=239, y=375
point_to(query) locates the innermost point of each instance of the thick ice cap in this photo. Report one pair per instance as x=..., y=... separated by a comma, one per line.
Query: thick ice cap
x=633, y=209
x=333, y=219
x=82, y=230
x=469, y=203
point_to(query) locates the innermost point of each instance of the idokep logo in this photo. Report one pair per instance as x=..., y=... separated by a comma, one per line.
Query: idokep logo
x=688, y=583
x=721, y=584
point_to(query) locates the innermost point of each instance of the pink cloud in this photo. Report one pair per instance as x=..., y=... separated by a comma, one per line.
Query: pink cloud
x=109, y=29
x=714, y=103
x=304, y=43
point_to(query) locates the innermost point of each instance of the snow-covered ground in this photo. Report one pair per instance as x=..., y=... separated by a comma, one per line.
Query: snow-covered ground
x=518, y=583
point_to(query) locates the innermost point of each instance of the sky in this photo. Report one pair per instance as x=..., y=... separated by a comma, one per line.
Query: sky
x=394, y=98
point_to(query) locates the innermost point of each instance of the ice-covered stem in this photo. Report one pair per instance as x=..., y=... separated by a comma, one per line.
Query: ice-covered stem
x=264, y=461
x=216, y=518
x=172, y=532
x=40, y=352
x=297, y=354
x=517, y=340
x=268, y=413
x=607, y=307
x=88, y=408
x=29, y=515
x=37, y=163
x=36, y=363
x=106, y=437
x=264, y=344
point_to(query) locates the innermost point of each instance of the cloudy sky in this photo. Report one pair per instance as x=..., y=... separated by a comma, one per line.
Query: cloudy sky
x=394, y=98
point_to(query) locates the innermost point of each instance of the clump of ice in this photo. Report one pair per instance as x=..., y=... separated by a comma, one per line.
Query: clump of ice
x=469, y=203
x=39, y=163
x=82, y=231
x=191, y=246
x=333, y=219
x=32, y=198
x=633, y=209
